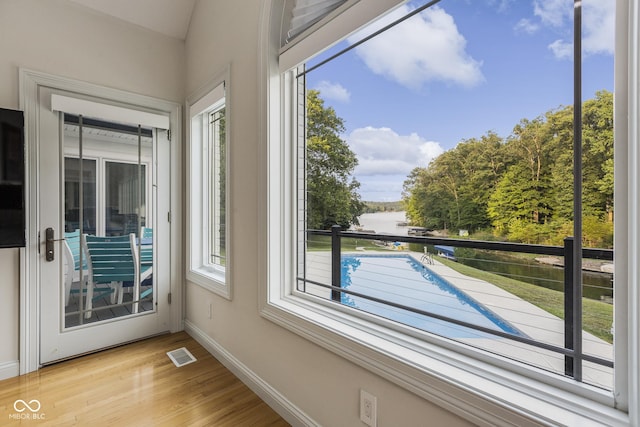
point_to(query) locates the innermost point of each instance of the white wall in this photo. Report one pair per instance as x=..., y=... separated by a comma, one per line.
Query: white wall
x=9, y=287
x=62, y=38
x=321, y=384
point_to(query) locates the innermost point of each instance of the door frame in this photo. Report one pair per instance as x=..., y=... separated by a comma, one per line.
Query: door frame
x=30, y=83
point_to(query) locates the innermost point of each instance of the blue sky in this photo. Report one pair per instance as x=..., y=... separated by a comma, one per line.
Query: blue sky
x=456, y=71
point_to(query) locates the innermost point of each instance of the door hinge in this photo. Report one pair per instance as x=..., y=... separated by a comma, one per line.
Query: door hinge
x=169, y=297
x=169, y=135
x=169, y=216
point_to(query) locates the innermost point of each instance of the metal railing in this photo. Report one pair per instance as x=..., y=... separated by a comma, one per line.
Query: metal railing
x=572, y=349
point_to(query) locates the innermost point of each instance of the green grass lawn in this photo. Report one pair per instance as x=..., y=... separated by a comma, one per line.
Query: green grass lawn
x=597, y=316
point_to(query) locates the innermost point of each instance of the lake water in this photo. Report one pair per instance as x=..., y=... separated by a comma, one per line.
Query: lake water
x=384, y=222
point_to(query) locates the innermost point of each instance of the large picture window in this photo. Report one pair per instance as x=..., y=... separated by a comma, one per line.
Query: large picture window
x=448, y=187
x=503, y=298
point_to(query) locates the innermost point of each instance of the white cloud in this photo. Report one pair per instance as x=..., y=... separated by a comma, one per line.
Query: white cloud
x=526, y=26
x=333, y=91
x=553, y=13
x=598, y=18
x=598, y=21
x=386, y=158
x=425, y=48
x=562, y=49
x=381, y=151
x=501, y=5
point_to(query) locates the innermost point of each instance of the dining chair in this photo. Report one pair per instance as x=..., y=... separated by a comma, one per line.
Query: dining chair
x=146, y=247
x=112, y=261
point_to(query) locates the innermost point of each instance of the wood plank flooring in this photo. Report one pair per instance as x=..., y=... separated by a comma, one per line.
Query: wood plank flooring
x=135, y=385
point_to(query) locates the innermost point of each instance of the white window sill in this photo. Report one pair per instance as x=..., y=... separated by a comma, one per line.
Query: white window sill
x=210, y=278
x=480, y=392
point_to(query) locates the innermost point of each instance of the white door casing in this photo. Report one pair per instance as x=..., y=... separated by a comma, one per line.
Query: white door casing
x=41, y=339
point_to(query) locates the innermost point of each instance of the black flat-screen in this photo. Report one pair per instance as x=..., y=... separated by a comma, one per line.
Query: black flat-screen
x=12, y=215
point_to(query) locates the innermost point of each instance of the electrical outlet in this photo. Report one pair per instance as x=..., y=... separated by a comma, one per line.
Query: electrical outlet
x=368, y=408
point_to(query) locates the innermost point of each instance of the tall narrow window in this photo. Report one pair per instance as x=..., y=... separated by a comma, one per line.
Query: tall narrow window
x=217, y=174
x=208, y=219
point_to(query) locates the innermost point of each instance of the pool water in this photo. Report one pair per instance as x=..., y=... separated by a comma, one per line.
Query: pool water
x=403, y=280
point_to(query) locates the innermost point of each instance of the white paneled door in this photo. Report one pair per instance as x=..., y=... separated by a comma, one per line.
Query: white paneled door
x=103, y=222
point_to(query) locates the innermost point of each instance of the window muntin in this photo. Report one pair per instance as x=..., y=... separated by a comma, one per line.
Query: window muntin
x=314, y=271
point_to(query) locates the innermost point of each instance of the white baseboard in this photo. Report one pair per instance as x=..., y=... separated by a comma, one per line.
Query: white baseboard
x=278, y=402
x=9, y=369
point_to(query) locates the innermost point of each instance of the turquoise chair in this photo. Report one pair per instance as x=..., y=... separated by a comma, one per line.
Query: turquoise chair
x=72, y=274
x=113, y=261
x=72, y=244
x=146, y=248
x=147, y=233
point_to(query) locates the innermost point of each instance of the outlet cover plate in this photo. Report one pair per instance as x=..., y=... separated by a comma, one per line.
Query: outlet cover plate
x=368, y=408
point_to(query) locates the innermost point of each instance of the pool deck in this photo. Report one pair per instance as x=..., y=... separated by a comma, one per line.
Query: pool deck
x=536, y=323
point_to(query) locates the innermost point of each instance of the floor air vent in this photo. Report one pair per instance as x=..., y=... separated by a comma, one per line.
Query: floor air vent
x=181, y=357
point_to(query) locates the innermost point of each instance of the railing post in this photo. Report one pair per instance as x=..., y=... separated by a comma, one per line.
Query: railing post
x=577, y=190
x=568, y=305
x=336, y=267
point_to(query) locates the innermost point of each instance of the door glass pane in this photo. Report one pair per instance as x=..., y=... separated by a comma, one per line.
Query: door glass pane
x=72, y=195
x=125, y=198
x=217, y=196
x=108, y=246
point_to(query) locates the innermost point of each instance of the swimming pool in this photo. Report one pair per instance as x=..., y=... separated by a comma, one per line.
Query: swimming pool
x=403, y=280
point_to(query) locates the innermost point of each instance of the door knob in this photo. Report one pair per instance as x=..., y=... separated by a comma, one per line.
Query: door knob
x=49, y=251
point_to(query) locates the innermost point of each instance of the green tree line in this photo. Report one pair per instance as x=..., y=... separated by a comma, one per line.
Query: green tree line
x=332, y=191
x=521, y=187
x=373, y=207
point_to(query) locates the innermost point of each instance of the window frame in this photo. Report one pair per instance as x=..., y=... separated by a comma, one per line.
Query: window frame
x=470, y=383
x=212, y=97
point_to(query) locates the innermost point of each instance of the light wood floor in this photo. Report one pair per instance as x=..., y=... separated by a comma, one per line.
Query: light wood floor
x=135, y=385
